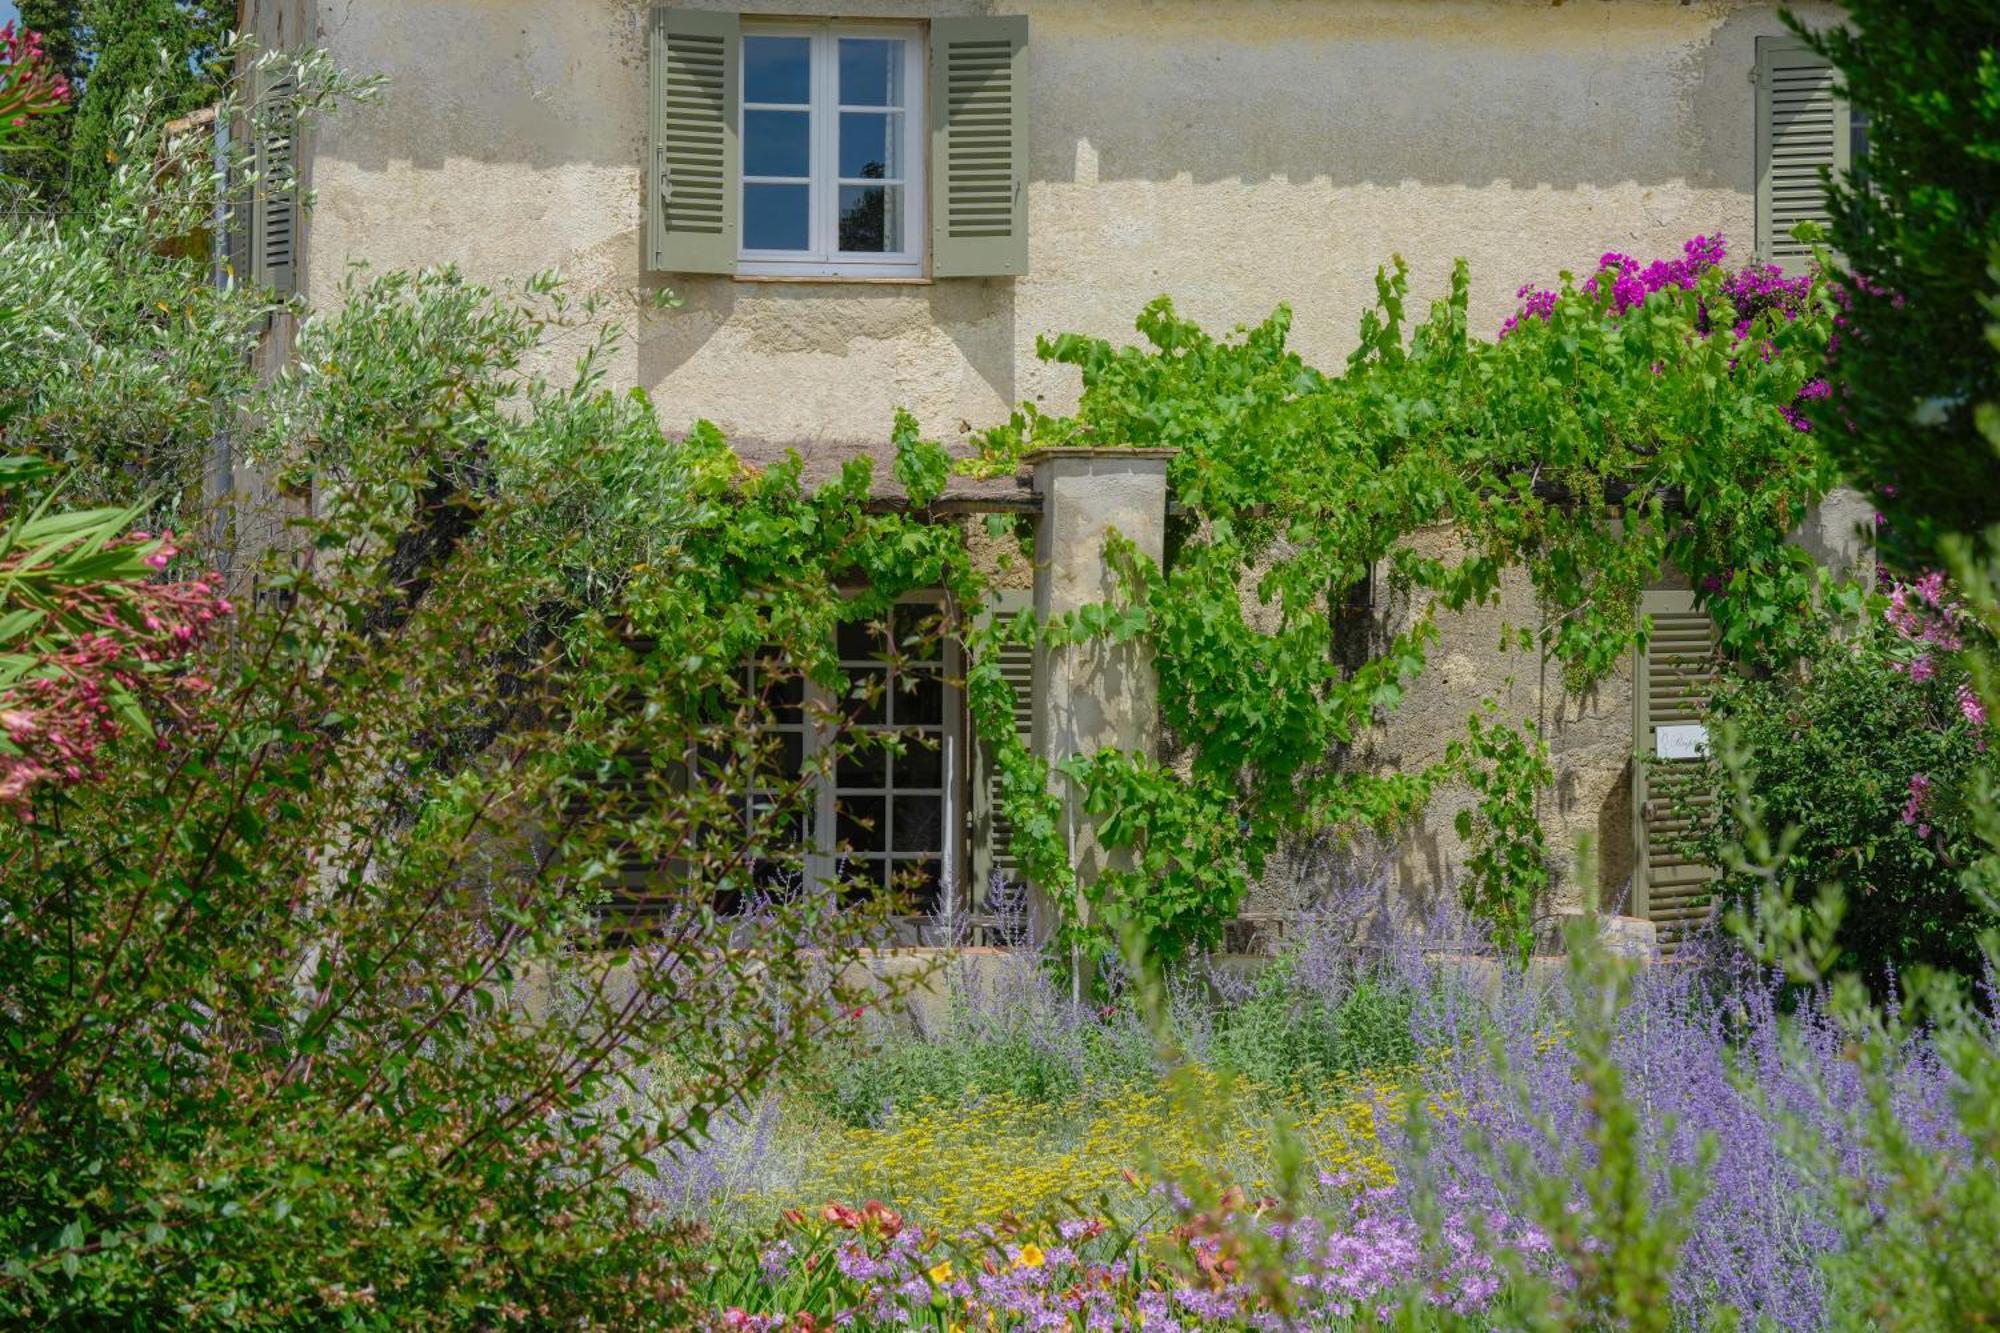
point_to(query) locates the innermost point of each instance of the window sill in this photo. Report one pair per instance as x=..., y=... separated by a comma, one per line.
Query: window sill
x=840, y=279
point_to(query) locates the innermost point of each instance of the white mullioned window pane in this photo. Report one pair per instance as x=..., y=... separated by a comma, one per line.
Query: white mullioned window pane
x=777, y=144
x=776, y=217
x=890, y=813
x=871, y=145
x=892, y=810
x=871, y=72
x=871, y=219
x=777, y=70
x=832, y=168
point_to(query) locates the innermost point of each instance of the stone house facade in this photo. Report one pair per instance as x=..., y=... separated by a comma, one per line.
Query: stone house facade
x=871, y=204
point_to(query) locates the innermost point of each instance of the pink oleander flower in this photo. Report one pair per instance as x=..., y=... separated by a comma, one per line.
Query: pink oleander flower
x=60, y=716
x=1913, y=809
x=1970, y=706
x=29, y=87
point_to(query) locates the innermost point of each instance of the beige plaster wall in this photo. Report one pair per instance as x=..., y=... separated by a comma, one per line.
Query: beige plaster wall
x=1230, y=153
x=1590, y=740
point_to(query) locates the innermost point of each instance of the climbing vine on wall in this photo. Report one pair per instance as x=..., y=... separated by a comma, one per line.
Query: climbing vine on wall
x=1641, y=417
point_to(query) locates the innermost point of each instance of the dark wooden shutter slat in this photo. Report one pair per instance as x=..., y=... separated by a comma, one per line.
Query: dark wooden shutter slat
x=992, y=832
x=274, y=209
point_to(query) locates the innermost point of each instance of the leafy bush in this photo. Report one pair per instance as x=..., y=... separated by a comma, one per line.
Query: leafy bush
x=1616, y=425
x=1287, y=1035
x=1912, y=231
x=311, y=1014
x=119, y=361
x=1005, y=1031
x=1868, y=752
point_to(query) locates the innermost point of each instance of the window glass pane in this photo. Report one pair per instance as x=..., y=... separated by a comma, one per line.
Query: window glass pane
x=775, y=217
x=919, y=823
x=787, y=759
x=863, y=876
x=870, y=145
x=867, y=698
x=871, y=219
x=918, y=880
x=775, y=879
x=862, y=825
x=786, y=698
x=919, y=698
x=921, y=764
x=860, y=641
x=866, y=765
x=777, y=69
x=777, y=143
x=871, y=72
x=918, y=627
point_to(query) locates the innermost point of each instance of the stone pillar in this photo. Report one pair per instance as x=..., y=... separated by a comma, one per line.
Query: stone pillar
x=1092, y=695
x=1839, y=534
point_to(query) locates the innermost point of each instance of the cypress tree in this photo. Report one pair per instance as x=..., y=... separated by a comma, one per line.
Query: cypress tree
x=1916, y=227
x=109, y=49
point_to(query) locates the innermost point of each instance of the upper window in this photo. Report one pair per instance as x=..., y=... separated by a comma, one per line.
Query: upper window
x=832, y=118
x=822, y=148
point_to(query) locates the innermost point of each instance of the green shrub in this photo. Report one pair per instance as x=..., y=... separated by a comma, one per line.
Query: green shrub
x=310, y=1019
x=1911, y=233
x=1869, y=764
x=1288, y=1036
x=1016, y=1036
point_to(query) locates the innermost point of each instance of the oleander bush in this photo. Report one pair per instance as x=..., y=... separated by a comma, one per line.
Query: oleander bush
x=1870, y=749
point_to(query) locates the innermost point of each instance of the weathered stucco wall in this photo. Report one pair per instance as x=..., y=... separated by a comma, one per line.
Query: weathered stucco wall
x=1231, y=155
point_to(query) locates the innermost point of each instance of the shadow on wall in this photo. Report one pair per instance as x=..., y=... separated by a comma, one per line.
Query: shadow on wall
x=975, y=315
x=1369, y=92
x=1614, y=845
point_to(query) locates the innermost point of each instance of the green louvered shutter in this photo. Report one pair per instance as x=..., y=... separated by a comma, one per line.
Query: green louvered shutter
x=992, y=836
x=274, y=206
x=1802, y=127
x=1675, y=674
x=694, y=186
x=979, y=147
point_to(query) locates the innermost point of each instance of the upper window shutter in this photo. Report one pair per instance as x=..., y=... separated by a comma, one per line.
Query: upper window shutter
x=693, y=186
x=992, y=836
x=274, y=205
x=979, y=147
x=1801, y=127
x=1675, y=673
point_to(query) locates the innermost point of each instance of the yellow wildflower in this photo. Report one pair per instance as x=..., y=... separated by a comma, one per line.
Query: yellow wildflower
x=1031, y=1256
x=941, y=1273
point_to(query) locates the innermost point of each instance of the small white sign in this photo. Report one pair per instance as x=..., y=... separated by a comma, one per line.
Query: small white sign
x=1683, y=740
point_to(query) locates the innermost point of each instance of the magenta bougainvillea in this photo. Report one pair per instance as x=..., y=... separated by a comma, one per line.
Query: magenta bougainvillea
x=1753, y=290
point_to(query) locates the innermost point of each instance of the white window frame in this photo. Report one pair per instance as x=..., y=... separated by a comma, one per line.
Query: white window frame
x=824, y=259
x=821, y=861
